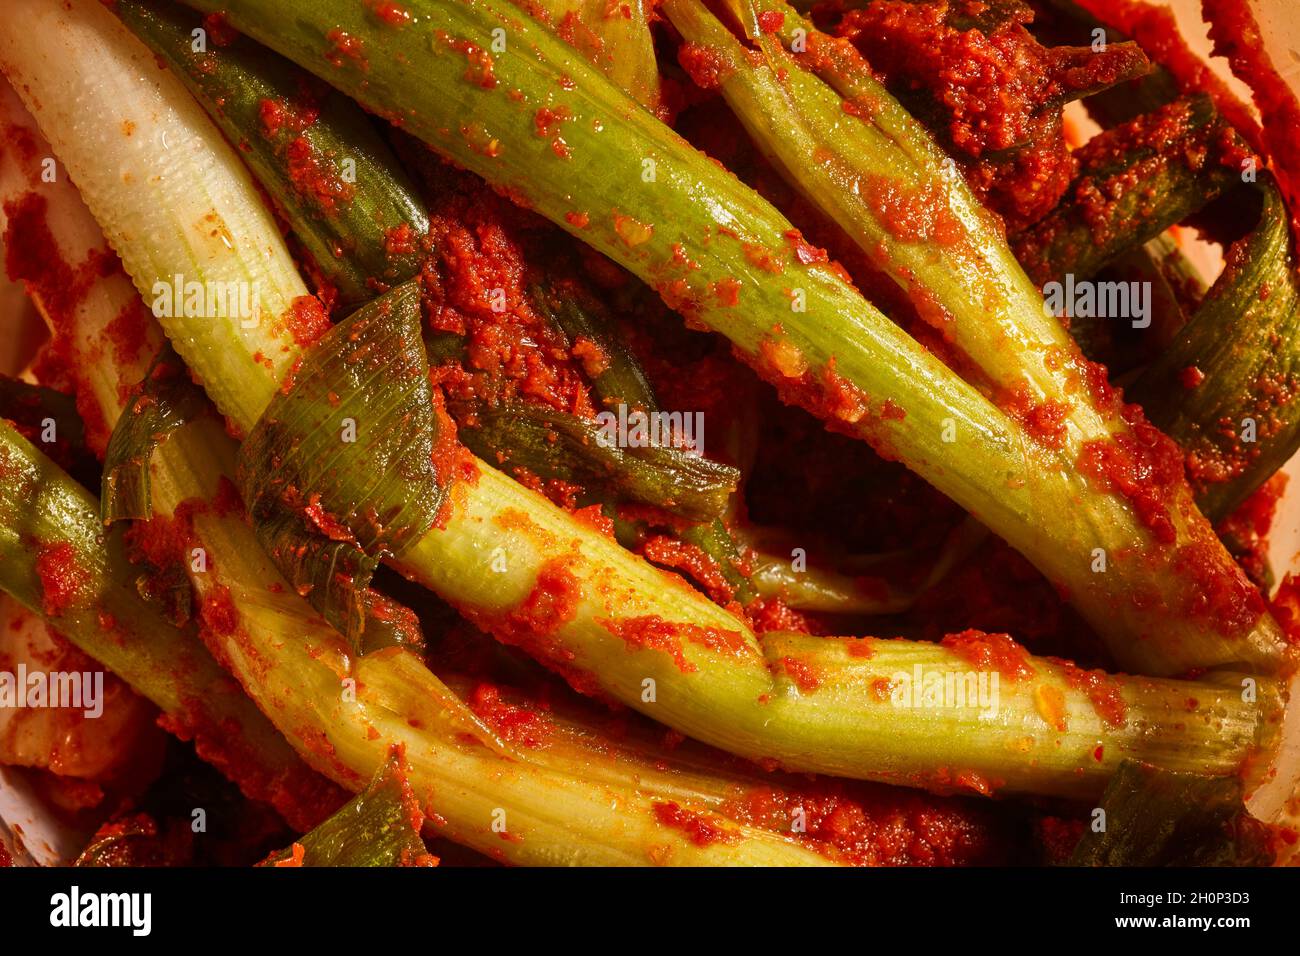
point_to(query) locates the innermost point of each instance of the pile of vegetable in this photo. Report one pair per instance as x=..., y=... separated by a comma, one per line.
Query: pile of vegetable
x=515, y=414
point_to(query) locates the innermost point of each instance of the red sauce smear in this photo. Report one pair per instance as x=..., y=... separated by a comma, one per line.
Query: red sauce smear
x=315, y=179
x=997, y=652
x=33, y=257
x=1043, y=420
x=1145, y=467
x=1236, y=35
x=707, y=67
x=1103, y=691
x=516, y=724
x=220, y=32
x=806, y=676
x=669, y=637
x=531, y=627
x=476, y=284
x=691, y=560
x=479, y=70
x=345, y=48
x=913, y=214
x=700, y=827
x=306, y=320
x=393, y=14
x=60, y=577
x=874, y=825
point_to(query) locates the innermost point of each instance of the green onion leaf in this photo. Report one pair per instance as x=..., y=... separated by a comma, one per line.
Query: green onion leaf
x=554, y=444
x=378, y=827
x=57, y=560
x=1222, y=390
x=1159, y=817
x=43, y=415
x=339, y=471
x=168, y=399
x=1126, y=101
x=577, y=313
x=1134, y=182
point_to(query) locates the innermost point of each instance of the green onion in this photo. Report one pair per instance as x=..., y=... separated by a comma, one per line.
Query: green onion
x=1165, y=818
x=345, y=713
x=1222, y=389
x=57, y=561
x=1130, y=100
x=378, y=827
x=718, y=543
x=339, y=185
x=167, y=401
x=698, y=236
x=577, y=313
x=1134, y=181
x=886, y=583
x=886, y=183
x=554, y=444
x=1069, y=73
x=298, y=669
x=339, y=473
x=718, y=683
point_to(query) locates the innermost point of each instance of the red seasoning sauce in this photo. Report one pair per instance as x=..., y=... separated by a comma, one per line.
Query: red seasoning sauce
x=992, y=652
x=692, y=561
x=806, y=676
x=1143, y=466
x=873, y=825
x=702, y=828
x=1236, y=35
x=390, y=13
x=1104, y=691
x=707, y=67
x=531, y=626
x=512, y=722
x=670, y=637
x=60, y=576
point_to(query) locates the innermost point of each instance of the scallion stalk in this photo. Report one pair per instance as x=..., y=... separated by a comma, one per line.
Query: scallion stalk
x=614, y=37
x=554, y=444
x=1134, y=181
x=185, y=223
